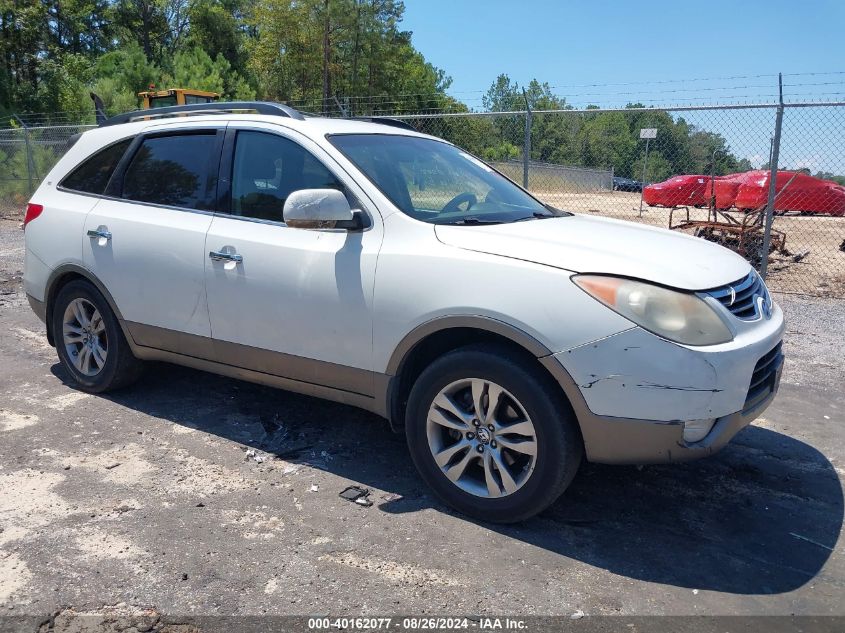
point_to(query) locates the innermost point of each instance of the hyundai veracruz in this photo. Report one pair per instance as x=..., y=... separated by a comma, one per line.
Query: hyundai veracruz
x=372, y=265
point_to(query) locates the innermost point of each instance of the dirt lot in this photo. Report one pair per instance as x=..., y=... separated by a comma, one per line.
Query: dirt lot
x=192, y=494
x=820, y=272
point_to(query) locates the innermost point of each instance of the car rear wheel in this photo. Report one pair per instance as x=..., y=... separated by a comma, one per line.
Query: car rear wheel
x=89, y=341
x=491, y=435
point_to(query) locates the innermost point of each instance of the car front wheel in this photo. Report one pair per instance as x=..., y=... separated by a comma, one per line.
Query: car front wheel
x=491, y=434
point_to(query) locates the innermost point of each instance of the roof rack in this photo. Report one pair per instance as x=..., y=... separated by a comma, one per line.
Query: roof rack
x=386, y=121
x=260, y=107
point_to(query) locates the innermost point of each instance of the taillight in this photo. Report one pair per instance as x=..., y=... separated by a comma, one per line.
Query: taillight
x=32, y=212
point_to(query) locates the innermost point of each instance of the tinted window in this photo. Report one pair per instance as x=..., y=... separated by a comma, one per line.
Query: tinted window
x=267, y=168
x=163, y=102
x=93, y=175
x=171, y=170
x=189, y=99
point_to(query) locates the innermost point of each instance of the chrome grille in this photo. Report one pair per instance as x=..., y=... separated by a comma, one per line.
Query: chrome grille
x=763, y=378
x=740, y=297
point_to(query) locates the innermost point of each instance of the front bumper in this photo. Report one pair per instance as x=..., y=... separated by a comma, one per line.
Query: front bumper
x=625, y=441
x=614, y=440
x=632, y=392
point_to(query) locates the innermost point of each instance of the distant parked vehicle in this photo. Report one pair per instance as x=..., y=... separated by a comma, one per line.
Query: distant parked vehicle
x=626, y=184
x=678, y=191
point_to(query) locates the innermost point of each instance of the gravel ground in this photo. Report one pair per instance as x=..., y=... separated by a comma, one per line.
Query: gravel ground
x=814, y=344
x=192, y=494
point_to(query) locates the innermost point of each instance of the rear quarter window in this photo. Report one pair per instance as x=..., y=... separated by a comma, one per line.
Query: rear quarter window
x=93, y=175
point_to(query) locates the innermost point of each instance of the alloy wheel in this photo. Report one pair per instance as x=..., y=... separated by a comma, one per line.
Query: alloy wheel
x=481, y=438
x=84, y=337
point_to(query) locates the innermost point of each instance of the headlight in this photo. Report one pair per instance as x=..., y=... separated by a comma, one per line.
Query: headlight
x=678, y=316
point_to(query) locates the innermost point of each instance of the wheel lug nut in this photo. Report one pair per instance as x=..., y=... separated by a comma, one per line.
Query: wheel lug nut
x=480, y=448
x=476, y=422
x=490, y=427
x=493, y=444
x=470, y=436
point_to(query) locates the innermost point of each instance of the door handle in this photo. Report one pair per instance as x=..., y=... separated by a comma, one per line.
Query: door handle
x=225, y=257
x=99, y=233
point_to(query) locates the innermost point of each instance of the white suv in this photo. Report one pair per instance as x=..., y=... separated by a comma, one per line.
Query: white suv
x=363, y=262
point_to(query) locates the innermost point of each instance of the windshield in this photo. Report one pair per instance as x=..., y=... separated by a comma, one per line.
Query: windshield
x=436, y=182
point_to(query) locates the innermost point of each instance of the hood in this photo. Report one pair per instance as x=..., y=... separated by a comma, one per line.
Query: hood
x=601, y=245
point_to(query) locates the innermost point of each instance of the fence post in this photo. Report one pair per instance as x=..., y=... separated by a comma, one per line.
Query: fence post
x=29, y=165
x=526, y=148
x=773, y=173
x=645, y=166
x=343, y=112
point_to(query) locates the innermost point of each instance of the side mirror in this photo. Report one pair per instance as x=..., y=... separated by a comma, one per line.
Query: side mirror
x=320, y=209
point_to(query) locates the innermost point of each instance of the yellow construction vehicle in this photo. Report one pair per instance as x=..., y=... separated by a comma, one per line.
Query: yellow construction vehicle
x=175, y=96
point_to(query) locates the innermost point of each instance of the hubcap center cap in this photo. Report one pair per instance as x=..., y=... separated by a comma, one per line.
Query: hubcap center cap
x=484, y=436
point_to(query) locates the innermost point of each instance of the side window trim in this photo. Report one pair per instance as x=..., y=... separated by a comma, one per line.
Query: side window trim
x=227, y=160
x=114, y=189
x=224, y=178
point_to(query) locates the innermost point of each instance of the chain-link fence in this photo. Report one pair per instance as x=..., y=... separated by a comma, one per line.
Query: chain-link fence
x=704, y=171
x=26, y=155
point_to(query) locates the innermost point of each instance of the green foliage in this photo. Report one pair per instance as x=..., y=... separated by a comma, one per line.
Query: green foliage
x=603, y=139
x=317, y=49
x=313, y=53
x=500, y=152
x=195, y=69
x=826, y=175
x=121, y=74
x=53, y=54
x=16, y=171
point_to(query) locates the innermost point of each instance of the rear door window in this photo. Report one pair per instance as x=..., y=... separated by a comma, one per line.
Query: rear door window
x=172, y=170
x=93, y=175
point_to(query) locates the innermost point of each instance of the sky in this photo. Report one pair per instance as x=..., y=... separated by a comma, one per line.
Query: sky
x=573, y=45
x=657, y=52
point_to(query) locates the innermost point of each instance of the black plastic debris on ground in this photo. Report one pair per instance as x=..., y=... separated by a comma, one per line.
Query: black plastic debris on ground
x=357, y=494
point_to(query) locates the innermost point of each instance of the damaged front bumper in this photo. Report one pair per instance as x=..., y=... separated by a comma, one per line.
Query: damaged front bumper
x=609, y=440
x=633, y=392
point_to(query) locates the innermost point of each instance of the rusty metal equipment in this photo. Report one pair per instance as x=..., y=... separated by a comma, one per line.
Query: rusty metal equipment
x=745, y=235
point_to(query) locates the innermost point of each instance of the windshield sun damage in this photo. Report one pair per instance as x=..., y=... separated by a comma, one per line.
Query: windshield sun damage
x=435, y=182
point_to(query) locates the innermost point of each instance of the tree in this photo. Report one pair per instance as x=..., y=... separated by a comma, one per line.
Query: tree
x=158, y=26
x=121, y=74
x=503, y=96
x=605, y=140
x=195, y=68
x=218, y=27
x=317, y=50
x=826, y=175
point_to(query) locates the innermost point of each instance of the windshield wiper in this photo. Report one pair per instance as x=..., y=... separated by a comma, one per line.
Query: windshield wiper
x=537, y=215
x=471, y=222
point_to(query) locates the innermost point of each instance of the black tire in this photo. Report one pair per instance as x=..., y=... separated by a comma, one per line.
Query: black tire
x=559, y=443
x=121, y=368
